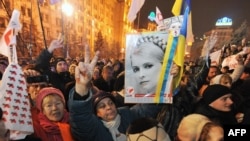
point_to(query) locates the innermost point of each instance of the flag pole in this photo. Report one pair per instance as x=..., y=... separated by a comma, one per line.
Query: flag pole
x=30, y=44
x=63, y=34
x=41, y=22
x=138, y=20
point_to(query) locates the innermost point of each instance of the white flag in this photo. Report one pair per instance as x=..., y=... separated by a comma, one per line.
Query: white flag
x=134, y=9
x=158, y=16
x=190, y=36
x=12, y=29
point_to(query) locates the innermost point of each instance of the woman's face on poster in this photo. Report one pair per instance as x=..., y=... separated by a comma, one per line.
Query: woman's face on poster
x=146, y=65
x=175, y=29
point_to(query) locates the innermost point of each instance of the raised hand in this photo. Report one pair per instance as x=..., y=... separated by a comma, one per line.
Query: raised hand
x=175, y=69
x=55, y=44
x=84, y=71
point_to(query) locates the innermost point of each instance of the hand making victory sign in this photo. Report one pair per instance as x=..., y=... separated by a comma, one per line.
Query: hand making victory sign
x=84, y=71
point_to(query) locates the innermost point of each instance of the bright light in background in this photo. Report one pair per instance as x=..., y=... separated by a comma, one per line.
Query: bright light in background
x=189, y=43
x=187, y=54
x=67, y=9
x=122, y=50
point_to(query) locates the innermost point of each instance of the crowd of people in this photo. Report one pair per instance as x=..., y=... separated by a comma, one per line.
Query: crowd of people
x=83, y=100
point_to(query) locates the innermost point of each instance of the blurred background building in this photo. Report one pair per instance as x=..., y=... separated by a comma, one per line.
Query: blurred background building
x=102, y=24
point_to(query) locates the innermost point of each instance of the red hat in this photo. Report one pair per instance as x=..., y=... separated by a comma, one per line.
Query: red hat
x=47, y=91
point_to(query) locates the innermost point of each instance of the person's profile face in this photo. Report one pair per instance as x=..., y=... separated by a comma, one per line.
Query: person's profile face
x=222, y=103
x=106, y=109
x=146, y=69
x=226, y=82
x=212, y=73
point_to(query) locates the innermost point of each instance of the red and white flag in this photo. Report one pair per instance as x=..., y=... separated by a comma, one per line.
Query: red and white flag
x=134, y=9
x=158, y=16
x=14, y=99
x=8, y=36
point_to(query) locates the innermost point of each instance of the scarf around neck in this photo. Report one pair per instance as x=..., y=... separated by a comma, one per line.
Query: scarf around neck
x=113, y=128
x=53, y=129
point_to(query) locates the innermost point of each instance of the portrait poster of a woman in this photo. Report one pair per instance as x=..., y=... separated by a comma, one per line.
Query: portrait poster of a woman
x=144, y=60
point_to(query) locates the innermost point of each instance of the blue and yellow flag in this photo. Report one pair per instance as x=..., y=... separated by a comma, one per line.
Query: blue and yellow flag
x=175, y=51
x=176, y=10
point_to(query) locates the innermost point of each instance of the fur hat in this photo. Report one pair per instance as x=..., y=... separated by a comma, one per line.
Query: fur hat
x=146, y=126
x=213, y=92
x=191, y=126
x=99, y=96
x=45, y=92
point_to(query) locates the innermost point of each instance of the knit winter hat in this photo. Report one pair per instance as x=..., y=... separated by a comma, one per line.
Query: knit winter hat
x=45, y=92
x=58, y=59
x=99, y=96
x=213, y=92
x=191, y=126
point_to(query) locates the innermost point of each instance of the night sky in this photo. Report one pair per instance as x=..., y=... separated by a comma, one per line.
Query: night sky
x=205, y=12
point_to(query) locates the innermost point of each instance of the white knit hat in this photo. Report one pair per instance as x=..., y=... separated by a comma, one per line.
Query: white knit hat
x=216, y=79
x=191, y=126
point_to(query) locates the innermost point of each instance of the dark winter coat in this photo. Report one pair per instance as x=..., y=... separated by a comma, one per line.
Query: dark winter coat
x=85, y=126
x=58, y=80
x=224, y=118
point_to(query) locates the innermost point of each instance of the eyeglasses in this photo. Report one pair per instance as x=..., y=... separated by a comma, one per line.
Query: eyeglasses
x=141, y=135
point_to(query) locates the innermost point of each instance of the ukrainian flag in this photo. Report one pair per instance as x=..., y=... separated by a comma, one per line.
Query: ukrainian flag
x=175, y=52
